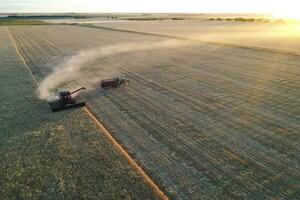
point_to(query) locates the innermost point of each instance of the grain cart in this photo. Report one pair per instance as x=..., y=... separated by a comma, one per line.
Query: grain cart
x=114, y=82
x=64, y=101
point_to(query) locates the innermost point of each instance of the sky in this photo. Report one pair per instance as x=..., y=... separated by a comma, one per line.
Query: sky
x=140, y=6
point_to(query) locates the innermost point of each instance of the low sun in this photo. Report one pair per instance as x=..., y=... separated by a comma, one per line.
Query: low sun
x=289, y=15
x=288, y=10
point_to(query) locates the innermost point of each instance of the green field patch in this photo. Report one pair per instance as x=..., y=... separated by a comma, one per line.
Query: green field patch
x=13, y=22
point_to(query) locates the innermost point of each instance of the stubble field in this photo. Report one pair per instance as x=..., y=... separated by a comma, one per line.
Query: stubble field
x=205, y=121
x=272, y=36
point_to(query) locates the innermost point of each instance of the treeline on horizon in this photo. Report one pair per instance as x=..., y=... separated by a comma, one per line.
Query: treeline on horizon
x=143, y=17
x=43, y=16
x=254, y=20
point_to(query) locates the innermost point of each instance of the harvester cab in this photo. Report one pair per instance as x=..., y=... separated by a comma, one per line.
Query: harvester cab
x=64, y=101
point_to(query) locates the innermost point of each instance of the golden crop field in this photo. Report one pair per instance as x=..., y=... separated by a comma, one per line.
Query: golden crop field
x=203, y=120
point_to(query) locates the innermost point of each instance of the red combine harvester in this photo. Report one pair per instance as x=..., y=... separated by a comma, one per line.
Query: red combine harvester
x=114, y=83
x=64, y=101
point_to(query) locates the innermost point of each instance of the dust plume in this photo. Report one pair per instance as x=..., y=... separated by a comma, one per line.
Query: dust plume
x=74, y=70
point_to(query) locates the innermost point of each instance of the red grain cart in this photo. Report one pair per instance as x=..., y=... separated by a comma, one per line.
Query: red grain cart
x=113, y=83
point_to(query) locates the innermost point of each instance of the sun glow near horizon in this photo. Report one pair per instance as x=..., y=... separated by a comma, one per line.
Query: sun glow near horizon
x=288, y=15
x=288, y=9
x=277, y=8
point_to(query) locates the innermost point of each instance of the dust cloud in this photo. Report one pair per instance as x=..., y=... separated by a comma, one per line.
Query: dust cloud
x=74, y=70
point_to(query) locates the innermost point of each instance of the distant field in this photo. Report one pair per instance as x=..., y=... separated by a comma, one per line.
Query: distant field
x=284, y=37
x=11, y=22
x=206, y=121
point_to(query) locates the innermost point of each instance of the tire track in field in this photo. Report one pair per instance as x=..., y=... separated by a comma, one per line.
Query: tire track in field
x=102, y=130
x=21, y=56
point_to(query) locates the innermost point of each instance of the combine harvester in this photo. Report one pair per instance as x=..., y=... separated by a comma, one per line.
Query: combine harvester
x=65, y=101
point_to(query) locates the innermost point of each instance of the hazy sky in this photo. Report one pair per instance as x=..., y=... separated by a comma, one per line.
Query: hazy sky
x=249, y=6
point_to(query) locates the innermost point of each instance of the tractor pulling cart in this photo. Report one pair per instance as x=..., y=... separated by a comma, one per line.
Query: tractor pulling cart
x=114, y=83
